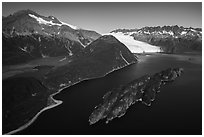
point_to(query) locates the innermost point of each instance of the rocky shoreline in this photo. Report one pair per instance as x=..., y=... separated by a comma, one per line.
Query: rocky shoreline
x=116, y=102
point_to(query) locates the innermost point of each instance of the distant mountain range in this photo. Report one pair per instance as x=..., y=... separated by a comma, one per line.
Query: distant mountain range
x=171, y=39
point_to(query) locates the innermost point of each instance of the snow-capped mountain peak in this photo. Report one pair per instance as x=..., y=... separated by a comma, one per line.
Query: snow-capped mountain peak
x=42, y=21
x=165, y=31
x=50, y=22
x=170, y=39
x=71, y=26
x=28, y=22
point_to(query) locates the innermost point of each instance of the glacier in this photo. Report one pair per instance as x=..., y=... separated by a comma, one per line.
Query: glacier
x=133, y=45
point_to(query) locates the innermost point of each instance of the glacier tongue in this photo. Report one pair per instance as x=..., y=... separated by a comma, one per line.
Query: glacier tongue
x=135, y=46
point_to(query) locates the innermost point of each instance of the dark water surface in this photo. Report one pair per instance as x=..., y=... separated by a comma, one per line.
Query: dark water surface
x=177, y=109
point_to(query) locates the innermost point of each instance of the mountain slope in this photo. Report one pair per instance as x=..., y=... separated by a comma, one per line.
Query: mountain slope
x=28, y=35
x=23, y=97
x=171, y=39
x=22, y=49
x=102, y=56
x=35, y=88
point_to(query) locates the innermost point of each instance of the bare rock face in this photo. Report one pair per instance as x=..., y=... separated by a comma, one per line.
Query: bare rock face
x=116, y=102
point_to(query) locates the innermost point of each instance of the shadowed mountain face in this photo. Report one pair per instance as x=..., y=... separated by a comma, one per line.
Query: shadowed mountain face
x=31, y=91
x=22, y=99
x=102, y=56
x=172, y=39
x=21, y=49
x=28, y=35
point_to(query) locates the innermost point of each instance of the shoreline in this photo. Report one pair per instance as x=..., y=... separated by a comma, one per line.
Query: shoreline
x=191, y=58
x=59, y=102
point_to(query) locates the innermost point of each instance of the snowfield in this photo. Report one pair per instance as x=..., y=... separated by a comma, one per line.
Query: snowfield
x=50, y=23
x=135, y=46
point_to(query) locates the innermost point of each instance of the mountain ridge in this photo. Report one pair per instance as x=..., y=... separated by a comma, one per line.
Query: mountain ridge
x=31, y=19
x=28, y=35
x=171, y=39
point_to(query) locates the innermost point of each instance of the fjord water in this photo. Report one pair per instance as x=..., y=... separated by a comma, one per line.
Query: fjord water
x=177, y=109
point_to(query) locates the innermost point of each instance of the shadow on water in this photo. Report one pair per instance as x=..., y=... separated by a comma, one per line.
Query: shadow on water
x=177, y=109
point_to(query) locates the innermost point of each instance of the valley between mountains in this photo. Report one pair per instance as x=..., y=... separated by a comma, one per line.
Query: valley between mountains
x=41, y=56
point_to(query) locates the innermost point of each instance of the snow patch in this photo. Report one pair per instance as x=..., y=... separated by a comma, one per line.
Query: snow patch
x=62, y=85
x=140, y=31
x=72, y=26
x=70, y=52
x=124, y=58
x=42, y=21
x=47, y=34
x=183, y=32
x=63, y=59
x=193, y=30
x=146, y=32
x=23, y=49
x=50, y=23
x=168, y=32
x=171, y=33
x=13, y=28
x=130, y=33
x=44, y=56
x=82, y=44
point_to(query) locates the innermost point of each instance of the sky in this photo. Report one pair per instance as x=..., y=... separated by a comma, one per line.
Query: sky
x=105, y=17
